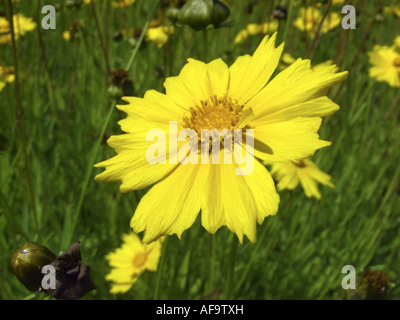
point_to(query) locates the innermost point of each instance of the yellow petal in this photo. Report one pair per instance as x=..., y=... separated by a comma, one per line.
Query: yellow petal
x=191, y=86
x=218, y=75
x=290, y=140
x=248, y=75
x=294, y=85
x=172, y=205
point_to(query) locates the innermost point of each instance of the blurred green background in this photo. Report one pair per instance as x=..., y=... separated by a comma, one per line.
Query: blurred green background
x=48, y=195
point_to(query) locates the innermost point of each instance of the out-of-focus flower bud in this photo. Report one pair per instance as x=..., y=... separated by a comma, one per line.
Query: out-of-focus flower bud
x=220, y=13
x=280, y=12
x=121, y=84
x=198, y=14
x=27, y=264
x=373, y=285
x=72, y=277
x=73, y=3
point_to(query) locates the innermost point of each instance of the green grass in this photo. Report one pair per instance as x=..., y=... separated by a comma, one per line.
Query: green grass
x=300, y=252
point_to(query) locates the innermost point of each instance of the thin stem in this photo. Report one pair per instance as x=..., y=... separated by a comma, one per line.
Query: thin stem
x=20, y=122
x=231, y=270
x=205, y=45
x=287, y=26
x=103, y=46
x=211, y=263
x=144, y=30
x=316, y=36
x=160, y=269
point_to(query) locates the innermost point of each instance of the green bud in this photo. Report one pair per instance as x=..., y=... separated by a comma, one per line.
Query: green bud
x=220, y=13
x=197, y=14
x=27, y=264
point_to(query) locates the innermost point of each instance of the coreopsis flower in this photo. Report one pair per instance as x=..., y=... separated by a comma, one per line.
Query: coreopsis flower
x=22, y=25
x=310, y=18
x=130, y=260
x=159, y=35
x=6, y=76
x=256, y=29
x=288, y=59
x=385, y=62
x=305, y=172
x=397, y=42
x=122, y=3
x=278, y=118
x=392, y=10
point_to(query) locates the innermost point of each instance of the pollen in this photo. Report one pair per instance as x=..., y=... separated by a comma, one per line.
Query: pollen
x=214, y=113
x=140, y=259
x=396, y=62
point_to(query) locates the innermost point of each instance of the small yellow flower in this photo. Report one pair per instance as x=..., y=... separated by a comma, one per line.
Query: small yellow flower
x=288, y=59
x=22, y=25
x=385, y=62
x=310, y=19
x=130, y=260
x=6, y=76
x=159, y=35
x=392, y=10
x=254, y=29
x=397, y=42
x=122, y=3
x=305, y=172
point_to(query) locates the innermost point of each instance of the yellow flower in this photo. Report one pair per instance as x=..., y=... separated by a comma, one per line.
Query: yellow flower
x=385, y=62
x=310, y=19
x=392, y=10
x=122, y=3
x=22, y=25
x=397, y=42
x=130, y=260
x=282, y=115
x=159, y=35
x=6, y=76
x=254, y=29
x=305, y=172
x=288, y=59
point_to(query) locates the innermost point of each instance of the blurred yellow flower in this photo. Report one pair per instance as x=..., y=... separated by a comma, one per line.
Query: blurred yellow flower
x=305, y=172
x=256, y=29
x=288, y=59
x=310, y=19
x=397, y=42
x=122, y=3
x=22, y=25
x=159, y=35
x=6, y=76
x=130, y=260
x=385, y=62
x=392, y=10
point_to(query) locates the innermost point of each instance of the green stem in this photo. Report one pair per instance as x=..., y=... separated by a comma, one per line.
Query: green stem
x=160, y=269
x=20, y=122
x=231, y=270
x=211, y=263
x=144, y=30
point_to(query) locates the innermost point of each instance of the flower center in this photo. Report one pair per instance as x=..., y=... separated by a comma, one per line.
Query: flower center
x=217, y=113
x=396, y=62
x=140, y=259
x=214, y=113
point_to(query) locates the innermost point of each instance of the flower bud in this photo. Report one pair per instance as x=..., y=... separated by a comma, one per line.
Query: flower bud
x=220, y=13
x=27, y=264
x=196, y=14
